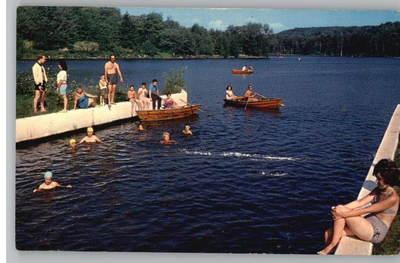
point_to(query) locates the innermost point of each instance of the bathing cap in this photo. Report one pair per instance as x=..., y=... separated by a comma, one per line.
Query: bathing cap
x=90, y=129
x=72, y=141
x=48, y=175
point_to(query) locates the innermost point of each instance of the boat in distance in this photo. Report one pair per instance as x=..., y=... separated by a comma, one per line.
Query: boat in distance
x=242, y=72
x=262, y=103
x=168, y=114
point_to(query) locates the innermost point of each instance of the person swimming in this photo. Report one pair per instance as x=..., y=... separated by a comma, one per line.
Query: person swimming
x=90, y=137
x=140, y=127
x=72, y=143
x=48, y=183
x=167, y=139
x=187, y=130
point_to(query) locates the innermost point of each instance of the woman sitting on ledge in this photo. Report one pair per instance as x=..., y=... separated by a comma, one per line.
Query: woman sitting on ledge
x=369, y=223
x=83, y=100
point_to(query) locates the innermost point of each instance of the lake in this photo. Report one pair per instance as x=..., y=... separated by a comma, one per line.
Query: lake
x=247, y=181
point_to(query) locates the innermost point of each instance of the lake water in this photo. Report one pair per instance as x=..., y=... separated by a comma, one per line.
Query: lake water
x=247, y=181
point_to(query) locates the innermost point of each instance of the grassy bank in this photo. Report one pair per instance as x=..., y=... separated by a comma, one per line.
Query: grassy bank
x=391, y=244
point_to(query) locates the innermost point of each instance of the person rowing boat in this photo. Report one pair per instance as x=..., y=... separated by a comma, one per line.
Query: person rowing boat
x=250, y=95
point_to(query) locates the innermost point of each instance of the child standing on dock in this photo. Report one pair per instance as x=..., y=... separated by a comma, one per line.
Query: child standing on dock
x=103, y=89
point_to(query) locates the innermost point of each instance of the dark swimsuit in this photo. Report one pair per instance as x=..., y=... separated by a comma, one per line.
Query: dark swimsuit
x=112, y=79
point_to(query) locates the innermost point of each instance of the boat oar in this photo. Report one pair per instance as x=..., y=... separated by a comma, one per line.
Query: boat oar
x=245, y=107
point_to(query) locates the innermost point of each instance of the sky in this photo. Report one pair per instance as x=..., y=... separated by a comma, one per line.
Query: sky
x=278, y=19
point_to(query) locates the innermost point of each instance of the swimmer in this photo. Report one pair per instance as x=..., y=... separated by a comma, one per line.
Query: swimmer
x=140, y=127
x=90, y=137
x=72, y=143
x=49, y=183
x=167, y=139
x=187, y=131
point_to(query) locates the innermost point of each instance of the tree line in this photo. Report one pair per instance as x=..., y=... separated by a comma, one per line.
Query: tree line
x=90, y=31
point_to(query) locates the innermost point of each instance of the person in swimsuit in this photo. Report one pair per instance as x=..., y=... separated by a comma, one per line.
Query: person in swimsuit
x=40, y=80
x=62, y=83
x=90, y=137
x=250, y=94
x=169, y=102
x=83, y=100
x=167, y=139
x=370, y=217
x=111, y=72
x=133, y=98
x=140, y=127
x=229, y=93
x=49, y=183
x=187, y=130
x=143, y=95
x=103, y=89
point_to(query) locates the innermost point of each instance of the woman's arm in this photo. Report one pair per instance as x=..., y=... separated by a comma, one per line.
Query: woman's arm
x=361, y=202
x=375, y=208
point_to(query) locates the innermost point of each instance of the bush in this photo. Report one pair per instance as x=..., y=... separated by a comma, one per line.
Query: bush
x=87, y=46
x=174, y=82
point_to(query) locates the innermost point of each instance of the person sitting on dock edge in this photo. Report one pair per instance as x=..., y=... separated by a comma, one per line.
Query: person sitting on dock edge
x=155, y=94
x=83, y=100
x=90, y=137
x=133, y=98
x=370, y=217
x=48, y=183
x=143, y=95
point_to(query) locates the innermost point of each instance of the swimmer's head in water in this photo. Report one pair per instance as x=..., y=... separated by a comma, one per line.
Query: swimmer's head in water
x=90, y=131
x=166, y=136
x=48, y=176
x=187, y=127
x=72, y=142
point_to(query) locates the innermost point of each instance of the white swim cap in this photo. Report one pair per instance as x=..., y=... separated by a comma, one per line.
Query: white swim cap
x=48, y=175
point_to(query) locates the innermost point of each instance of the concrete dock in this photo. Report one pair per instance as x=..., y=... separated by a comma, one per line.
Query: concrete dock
x=386, y=150
x=37, y=127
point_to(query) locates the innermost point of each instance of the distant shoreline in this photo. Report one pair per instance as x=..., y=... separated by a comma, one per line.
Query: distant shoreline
x=199, y=57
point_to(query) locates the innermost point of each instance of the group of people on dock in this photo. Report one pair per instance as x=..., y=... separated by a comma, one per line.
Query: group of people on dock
x=146, y=98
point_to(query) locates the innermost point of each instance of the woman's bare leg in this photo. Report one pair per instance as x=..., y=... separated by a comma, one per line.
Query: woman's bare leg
x=361, y=227
x=338, y=232
x=65, y=102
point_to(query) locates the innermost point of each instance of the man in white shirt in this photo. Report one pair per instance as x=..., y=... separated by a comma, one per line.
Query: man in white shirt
x=40, y=80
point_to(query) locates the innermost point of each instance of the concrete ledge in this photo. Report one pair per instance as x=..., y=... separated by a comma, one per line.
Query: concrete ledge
x=353, y=247
x=386, y=150
x=36, y=127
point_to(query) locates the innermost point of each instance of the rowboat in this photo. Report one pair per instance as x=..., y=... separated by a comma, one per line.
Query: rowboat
x=262, y=103
x=168, y=114
x=242, y=72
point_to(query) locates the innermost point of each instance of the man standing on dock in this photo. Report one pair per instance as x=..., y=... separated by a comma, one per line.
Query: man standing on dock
x=155, y=94
x=111, y=73
x=40, y=79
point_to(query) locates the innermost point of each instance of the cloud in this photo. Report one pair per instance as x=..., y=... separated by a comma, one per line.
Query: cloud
x=216, y=24
x=277, y=26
